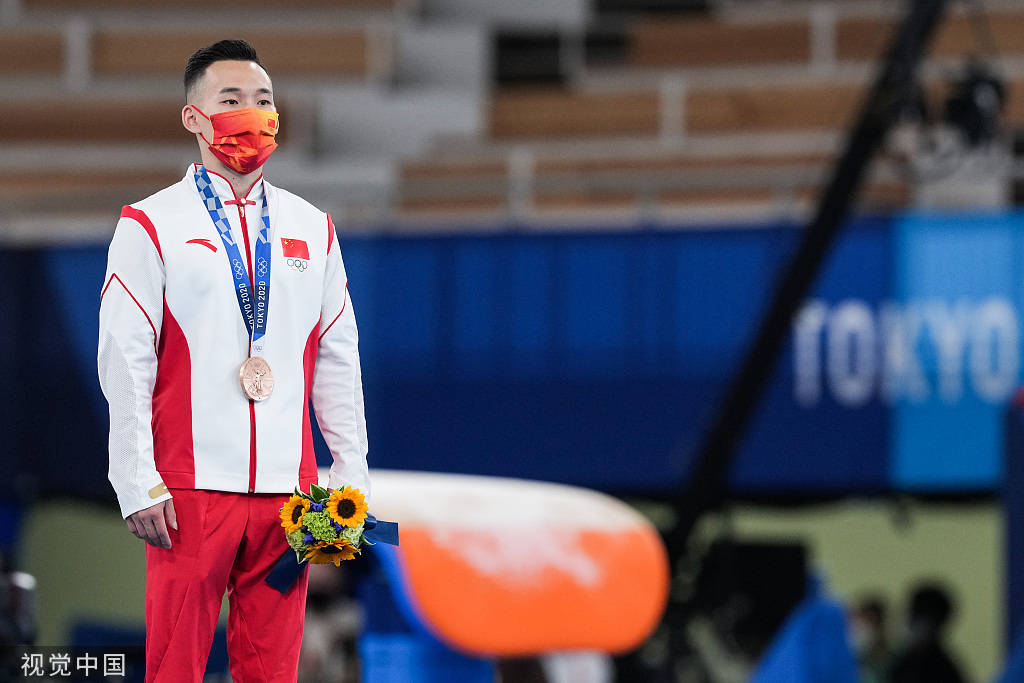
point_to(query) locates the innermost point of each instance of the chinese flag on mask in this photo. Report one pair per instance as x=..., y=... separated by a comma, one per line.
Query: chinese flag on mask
x=294, y=248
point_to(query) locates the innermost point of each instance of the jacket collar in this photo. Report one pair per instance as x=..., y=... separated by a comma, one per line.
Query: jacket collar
x=224, y=189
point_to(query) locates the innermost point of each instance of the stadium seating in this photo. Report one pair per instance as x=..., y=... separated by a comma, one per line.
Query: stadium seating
x=744, y=107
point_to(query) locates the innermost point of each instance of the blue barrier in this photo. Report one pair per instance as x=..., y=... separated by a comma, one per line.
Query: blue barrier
x=395, y=645
x=813, y=647
x=1014, y=672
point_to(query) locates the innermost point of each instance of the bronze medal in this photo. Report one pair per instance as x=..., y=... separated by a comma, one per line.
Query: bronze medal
x=256, y=378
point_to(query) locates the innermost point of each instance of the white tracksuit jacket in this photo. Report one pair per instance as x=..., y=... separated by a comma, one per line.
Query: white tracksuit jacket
x=172, y=341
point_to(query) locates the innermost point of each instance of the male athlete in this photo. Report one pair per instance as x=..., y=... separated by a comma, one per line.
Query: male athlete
x=224, y=309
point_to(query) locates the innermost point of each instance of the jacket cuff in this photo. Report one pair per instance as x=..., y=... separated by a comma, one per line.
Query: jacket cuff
x=140, y=498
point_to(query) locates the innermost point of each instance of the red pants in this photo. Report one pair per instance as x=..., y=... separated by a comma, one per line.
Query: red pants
x=224, y=541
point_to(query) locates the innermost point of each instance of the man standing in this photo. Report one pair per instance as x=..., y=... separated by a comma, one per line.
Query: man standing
x=224, y=309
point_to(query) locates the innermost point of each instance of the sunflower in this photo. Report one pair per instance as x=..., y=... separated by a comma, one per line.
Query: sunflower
x=292, y=512
x=331, y=553
x=347, y=507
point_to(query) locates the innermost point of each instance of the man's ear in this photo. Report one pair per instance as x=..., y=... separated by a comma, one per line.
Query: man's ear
x=190, y=119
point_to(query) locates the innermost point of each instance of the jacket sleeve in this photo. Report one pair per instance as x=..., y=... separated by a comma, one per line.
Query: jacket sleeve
x=337, y=380
x=131, y=313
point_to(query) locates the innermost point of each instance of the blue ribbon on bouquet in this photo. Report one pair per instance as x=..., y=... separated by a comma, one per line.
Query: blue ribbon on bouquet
x=287, y=570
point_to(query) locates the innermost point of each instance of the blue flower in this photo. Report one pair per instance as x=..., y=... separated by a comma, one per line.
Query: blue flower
x=316, y=507
x=309, y=538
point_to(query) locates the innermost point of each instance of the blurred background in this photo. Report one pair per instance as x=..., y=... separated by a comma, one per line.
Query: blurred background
x=565, y=223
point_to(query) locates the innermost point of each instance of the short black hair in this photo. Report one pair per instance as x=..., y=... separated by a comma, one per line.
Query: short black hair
x=231, y=50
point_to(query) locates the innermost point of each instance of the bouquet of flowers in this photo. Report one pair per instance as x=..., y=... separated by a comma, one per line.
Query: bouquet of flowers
x=325, y=527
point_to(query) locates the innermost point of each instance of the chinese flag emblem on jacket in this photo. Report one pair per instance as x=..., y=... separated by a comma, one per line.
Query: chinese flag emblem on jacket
x=294, y=248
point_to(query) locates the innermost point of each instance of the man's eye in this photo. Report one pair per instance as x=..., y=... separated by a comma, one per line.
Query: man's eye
x=265, y=103
x=230, y=102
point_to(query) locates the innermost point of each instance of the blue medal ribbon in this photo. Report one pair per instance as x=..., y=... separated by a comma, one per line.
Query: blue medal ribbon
x=254, y=312
x=379, y=531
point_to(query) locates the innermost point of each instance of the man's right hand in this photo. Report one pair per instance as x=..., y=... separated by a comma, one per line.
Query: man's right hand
x=150, y=526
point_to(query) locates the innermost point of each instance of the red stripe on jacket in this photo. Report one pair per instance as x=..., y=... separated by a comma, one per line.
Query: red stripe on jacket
x=142, y=219
x=113, y=276
x=173, y=450
x=307, y=465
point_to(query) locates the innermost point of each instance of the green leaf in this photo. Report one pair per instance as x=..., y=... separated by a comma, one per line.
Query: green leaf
x=319, y=494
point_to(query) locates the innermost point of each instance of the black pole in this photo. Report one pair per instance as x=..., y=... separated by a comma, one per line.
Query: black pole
x=708, y=481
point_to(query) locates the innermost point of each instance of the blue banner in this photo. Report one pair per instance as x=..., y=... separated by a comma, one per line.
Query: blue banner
x=597, y=358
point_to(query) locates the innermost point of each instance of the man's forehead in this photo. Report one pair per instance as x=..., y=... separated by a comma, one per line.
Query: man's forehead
x=235, y=75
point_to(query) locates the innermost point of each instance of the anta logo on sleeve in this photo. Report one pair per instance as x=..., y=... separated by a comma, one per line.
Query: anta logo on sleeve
x=296, y=254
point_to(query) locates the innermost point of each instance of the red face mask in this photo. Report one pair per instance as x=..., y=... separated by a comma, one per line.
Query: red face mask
x=242, y=138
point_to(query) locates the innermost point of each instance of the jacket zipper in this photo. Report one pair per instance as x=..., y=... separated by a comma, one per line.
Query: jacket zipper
x=252, y=404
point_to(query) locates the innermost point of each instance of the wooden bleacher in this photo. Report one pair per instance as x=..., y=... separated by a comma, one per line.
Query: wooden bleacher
x=552, y=114
x=91, y=190
x=676, y=182
x=701, y=41
x=863, y=38
x=92, y=120
x=97, y=119
x=821, y=106
x=334, y=53
x=150, y=5
x=31, y=53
